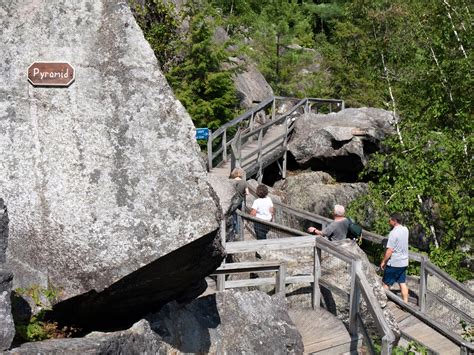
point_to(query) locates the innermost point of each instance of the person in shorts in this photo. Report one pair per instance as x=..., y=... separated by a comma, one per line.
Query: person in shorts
x=395, y=260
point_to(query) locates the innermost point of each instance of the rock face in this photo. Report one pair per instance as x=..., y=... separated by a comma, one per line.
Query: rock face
x=103, y=177
x=3, y=231
x=339, y=142
x=250, y=84
x=7, y=327
x=139, y=339
x=230, y=322
x=207, y=325
x=318, y=192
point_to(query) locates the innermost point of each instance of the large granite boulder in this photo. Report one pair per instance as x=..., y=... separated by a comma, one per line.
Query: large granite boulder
x=206, y=325
x=104, y=177
x=250, y=84
x=7, y=327
x=139, y=339
x=339, y=142
x=211, y=324
x=3, y=231
x=317, y=192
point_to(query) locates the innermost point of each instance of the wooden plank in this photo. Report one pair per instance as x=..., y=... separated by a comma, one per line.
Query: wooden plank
x=262, y=281
x=248, y=246
x=441, y=329
x=374, y=307
x=429, y=338
x=251, y=265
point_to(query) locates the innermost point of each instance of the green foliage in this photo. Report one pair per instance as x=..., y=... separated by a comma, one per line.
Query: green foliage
x=204, y=88
x=364, y=52
x=160, y=23
x=37, y=329
x=452, y=262
x=467, y=330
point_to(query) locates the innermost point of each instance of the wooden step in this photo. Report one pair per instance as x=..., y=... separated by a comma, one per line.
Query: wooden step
x=322, y=332
x=414, y=329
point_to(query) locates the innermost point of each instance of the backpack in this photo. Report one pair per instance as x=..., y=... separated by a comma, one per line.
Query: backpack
x=354, y=231
x=235, y=203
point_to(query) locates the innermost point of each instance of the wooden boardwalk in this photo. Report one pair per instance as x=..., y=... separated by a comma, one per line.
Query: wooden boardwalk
x=414, y=329
x=269, y=154
x=322, y=332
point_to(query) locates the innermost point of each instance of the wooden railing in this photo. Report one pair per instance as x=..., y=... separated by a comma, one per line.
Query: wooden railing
x=426, y=269
x=237, y=132
x=360, y=288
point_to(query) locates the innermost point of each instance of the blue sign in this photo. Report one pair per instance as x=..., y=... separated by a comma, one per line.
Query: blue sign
x=202, y=133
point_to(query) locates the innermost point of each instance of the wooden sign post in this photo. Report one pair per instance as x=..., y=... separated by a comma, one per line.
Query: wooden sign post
x=60, y=74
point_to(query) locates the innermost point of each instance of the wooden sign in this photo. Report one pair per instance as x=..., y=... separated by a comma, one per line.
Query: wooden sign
x=51, y=74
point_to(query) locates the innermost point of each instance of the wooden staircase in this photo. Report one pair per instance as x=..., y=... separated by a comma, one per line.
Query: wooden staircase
x=322, y=332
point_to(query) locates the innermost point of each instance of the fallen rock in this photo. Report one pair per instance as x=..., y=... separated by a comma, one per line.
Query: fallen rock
x=250, y=84
x=339, y=142
x=229, y=322
x=206, y=325
x=318, y=192
x=7, y=326
x=139, y=339
x=102, y=178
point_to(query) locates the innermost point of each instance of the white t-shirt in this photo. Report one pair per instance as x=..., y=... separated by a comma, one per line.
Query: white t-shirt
x=263, y=206
x=398, y=241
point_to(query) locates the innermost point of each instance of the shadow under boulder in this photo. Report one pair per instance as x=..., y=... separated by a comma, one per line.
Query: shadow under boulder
x=178, y=275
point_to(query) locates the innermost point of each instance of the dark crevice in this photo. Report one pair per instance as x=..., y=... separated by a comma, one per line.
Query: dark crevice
x=178, y=276
x=335, y=144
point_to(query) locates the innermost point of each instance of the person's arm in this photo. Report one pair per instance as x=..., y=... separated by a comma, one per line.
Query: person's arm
x=388, y=254
x=272, y=212
x=253, y=212
x=314, y=230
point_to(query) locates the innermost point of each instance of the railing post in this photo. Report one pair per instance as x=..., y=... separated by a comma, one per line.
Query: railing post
x=259, y=157
x=209, y=151
x=343, y=105
x=285, y=145
x=280, y=279
x=423, y=285
x=316, y=299
x=220, y=280
x=224, y=146
x=273, y=108
x=386, y=346
x=354, y=305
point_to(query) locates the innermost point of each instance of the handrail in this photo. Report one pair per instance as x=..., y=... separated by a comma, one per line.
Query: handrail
x=359, y=284
x=430, y=322
x=250, y=114
x=426, y=268
x=388, y=338
x=263, y=104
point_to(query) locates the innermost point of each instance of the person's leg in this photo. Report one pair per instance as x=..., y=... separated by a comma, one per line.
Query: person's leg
x=259, y=234
x=404, y=291
x=403, y=286
x=388, y=277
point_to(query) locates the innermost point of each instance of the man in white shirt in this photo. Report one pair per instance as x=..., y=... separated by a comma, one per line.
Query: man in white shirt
x=395, y=261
